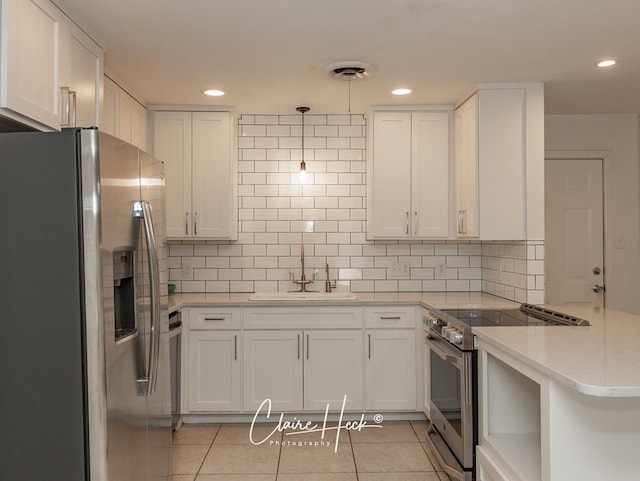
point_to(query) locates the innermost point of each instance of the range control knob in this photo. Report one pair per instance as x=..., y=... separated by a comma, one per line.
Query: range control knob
x=456, y=337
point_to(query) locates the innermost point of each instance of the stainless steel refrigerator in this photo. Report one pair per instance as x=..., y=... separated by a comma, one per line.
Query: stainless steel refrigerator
x=84, y=345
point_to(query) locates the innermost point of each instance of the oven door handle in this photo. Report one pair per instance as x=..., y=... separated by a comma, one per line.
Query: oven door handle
x=449, y=357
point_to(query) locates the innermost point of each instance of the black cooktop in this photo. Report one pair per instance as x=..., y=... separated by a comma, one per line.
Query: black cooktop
x=527, y=315
x=488, y=317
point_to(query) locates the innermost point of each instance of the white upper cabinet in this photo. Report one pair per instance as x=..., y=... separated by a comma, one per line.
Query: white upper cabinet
x=51, y=71
x=199, y=155
x=83, y=74
x=408, y=182
x=123, y=116
x=499, y=163
x=465, y=154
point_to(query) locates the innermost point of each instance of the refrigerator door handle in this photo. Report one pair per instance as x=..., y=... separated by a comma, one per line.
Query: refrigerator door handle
x=147, y=384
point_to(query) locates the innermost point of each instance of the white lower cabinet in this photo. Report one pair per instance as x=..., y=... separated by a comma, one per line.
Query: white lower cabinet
x=390, y=359
x=212, y=343
x=214, y=371
x=303, y=369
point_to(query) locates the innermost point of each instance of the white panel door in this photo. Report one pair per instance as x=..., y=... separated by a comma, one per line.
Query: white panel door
x=333, y=369
x=212, y=191
x=214, y=371
x=273, y=369
x=390, y=369
x=391, y=203
x=574, y=231
x=430, y=142
x=30, y=59
x=172, y=145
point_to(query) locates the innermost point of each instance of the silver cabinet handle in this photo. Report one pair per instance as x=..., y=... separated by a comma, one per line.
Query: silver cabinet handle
x=215, y=319
x=415, y=225
x=147, y=384
x=369, y=346
x=186, y=223
x=195, y=223
x=68, y=107
x=462, y=229
x=298, y=346
x=307, y=347
x=390, y=318
x=235, y=347
x=72, y=108
x=407, y=222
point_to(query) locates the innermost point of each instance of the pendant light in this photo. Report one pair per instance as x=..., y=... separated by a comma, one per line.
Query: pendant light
x=303, y=165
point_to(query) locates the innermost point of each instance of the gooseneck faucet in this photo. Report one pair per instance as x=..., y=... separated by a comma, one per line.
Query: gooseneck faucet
x=303, y=282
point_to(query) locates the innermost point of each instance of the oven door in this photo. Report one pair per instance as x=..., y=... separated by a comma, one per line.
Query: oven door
x=452, y=398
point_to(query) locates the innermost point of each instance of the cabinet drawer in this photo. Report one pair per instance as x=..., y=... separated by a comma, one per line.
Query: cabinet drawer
x=328, y=317
x=211, y=318
x=390, y=316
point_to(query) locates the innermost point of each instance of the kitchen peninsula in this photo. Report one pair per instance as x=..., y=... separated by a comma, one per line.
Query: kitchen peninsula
x=573, y=398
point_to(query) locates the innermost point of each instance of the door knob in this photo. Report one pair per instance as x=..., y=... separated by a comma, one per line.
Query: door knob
x=598, y=289
x=596, y=271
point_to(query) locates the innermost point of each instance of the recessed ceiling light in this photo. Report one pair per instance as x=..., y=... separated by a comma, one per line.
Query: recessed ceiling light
x=214, y=93
x=401, y=91
x=609, y=62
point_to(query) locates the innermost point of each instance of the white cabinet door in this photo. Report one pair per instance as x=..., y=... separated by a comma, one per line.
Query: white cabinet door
x=390, y=369
x=273, y=370
x=466, y=168
x=109, y=123
x=333, y=369
x=501, y=134
x=198, y=151
x=430, y=174
x=31, y=56
x=84, y=76
x=214, y=371
x=391, y=175
x=172, y=145
x=212, y=195
x=409, y=177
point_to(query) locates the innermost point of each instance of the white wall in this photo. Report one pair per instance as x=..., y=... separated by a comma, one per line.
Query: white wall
x=617, y=137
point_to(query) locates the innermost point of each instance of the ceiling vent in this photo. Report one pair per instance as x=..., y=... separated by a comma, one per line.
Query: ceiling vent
x=349, y=70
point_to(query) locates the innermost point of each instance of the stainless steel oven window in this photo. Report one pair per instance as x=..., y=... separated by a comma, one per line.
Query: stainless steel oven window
x=452, y=398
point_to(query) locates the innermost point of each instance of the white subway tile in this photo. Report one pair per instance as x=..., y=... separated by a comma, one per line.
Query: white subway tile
x=350, y=155
x=326, y=226
x=313, y=143
x=217, y=262
x=302, y=226
x=278, y=226
x=446, y=250
x=358, y=143
x=350, y=131
x=357, y=167
x=278, y=131
x=289, y=214
x=279, y=155
x=266, y=191
x=205, y=250
x=337, y=166
x=434, y=286
x=290, y=190
x=278, y=202
x=339, y=214
x=278, y=250
x=357, y=119
x=326, y=250
x=217, y=286
x=254, y=202
x=338, y=143
x=350, y=226
x=314, y=190
x=265, y=286
x=457, y=261
x=386, y=286
x=241, y=286
x=266, y=166
x=247, y=119
x=362, y=262
x=323, y=178
x=205, y=274
x=374, y=250
x=290, y=238
x=338, y=120
x=326, y=154
x=253, y=178
x=193, y=286
x=278, y=178
x=246, y=142
x=362, y=286
x=184, y=250
x=405, y=285
x=398, y=250
x=346, y=179
x=349, y=274
x=289, y=143
x=535, y=297
x=326, y=131
x=338, y=238
x=266, y=142
x=246, y=190
x=253, y=226
x=535, y=267
x=457, y=286
x=314, y=238
x=255, y=131
x=290, y=120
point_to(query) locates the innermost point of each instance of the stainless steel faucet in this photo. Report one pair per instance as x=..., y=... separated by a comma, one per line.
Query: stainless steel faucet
x=328, y=284
x=303, y=282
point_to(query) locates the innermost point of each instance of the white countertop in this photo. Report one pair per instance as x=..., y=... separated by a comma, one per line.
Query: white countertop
x=600, y=360
x=452, y=300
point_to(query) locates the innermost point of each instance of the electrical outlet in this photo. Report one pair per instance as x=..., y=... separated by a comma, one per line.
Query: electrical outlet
x=187, y=269
x=399, y=270
x=441, y=271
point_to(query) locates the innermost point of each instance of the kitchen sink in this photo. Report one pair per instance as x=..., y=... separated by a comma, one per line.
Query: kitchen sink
x=303, y=296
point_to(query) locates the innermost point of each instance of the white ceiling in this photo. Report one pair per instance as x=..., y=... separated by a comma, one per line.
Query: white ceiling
x=268, y=55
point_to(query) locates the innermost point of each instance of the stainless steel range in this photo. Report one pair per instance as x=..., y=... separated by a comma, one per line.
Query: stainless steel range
x=453, y=433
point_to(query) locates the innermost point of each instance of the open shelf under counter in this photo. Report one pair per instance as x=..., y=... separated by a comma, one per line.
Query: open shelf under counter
x=521, y=451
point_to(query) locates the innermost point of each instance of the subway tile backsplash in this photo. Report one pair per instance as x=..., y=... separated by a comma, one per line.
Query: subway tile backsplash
x=327, y=212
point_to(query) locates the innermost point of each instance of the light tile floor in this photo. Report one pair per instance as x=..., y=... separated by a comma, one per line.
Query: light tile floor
x=392, y=452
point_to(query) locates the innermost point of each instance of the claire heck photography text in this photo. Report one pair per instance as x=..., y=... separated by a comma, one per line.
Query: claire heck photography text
x=297, y=426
